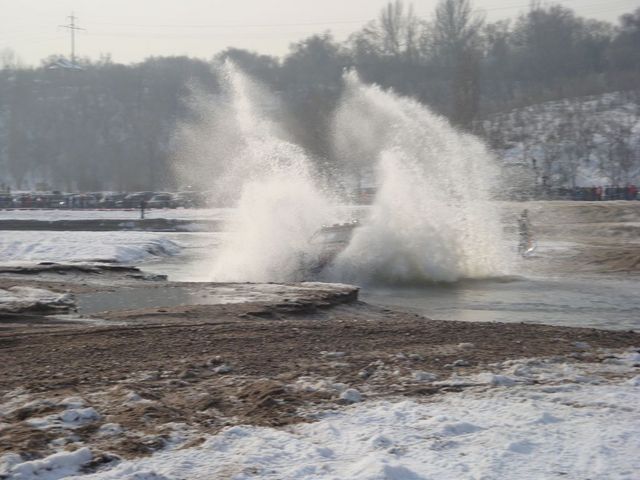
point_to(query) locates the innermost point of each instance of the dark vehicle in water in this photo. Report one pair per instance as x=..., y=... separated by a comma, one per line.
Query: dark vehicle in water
x=326, y=244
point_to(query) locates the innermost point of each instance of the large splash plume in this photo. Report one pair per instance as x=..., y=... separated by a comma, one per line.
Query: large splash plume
x=252, y=165
x=431, y=220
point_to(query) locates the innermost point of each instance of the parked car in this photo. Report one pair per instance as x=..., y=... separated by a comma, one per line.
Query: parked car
x=190, y=199
x=162, y=200
x=6, y=200
x=133, y=200
x=110, y=199
x=83, y=201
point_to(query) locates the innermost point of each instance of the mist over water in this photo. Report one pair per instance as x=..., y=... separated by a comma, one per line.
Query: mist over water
x=431, y=220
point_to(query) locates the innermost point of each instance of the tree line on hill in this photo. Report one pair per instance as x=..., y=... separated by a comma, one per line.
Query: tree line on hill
x=110, y=126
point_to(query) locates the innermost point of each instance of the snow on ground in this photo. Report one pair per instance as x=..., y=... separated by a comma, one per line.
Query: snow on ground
x=532, y=419
x=54, y=467
x=345, y=213
x=120, y=246
x=20, y=298
x=133, y=214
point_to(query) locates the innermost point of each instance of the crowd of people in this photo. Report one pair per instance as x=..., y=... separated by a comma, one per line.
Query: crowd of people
x=609, y=192
x=592, y=194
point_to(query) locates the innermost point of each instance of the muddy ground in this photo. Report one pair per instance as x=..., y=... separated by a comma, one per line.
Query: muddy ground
x=211, y=366
x=138, y=379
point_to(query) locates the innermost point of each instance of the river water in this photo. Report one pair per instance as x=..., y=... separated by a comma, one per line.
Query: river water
x=585, y=300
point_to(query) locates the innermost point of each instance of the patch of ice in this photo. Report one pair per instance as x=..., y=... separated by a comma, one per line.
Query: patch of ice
x=70, y=418
x=224, y=368
x=77, y=416
x=494, y=379
x=423, y=376
x=132, y=397
x=458, y=363
x=333, y=354
x=51, y=215
x=72, y=402
x=80, y=246
x=54, y=467
x=351, y=395
x=19, y=297
x=110, y=430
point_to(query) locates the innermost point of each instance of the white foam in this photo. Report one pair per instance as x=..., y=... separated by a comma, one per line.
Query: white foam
x=432, y=219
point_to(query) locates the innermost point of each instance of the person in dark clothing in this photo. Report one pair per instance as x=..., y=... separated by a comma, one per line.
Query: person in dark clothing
x=524, y=232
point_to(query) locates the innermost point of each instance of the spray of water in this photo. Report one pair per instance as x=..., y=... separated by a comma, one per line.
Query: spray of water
x=431, y=219
x=268, y=178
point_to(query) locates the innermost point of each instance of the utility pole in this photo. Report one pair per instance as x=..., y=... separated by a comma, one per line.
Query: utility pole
x=72, y=29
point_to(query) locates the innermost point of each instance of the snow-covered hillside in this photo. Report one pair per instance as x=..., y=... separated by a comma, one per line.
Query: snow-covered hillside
x=572, y=142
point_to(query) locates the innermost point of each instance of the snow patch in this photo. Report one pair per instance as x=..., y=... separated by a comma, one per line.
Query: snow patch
x=351, y=395
x=70, y=418
x=54, y=467
x=20, y=298
x=424, y=376
x=473, y=434
x=80, y=246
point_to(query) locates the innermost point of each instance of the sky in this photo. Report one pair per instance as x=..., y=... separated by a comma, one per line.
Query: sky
x=131, y=30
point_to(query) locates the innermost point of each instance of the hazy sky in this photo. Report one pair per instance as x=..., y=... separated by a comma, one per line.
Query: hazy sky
x=131, y=30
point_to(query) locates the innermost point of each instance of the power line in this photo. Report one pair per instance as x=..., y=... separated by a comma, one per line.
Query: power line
x=333, y=22
x=72, y=29
x=233, y=25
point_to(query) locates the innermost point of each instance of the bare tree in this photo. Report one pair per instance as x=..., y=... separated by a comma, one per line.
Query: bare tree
x=396, y=33
x=456, y=42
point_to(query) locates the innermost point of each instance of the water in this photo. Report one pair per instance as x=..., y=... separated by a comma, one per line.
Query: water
x=431, y=243
x=594, y=301
x=160, y=296
x=608, y=303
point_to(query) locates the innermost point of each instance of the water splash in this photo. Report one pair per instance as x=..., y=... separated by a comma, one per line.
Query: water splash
x=268, y=178
x=431, y=219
